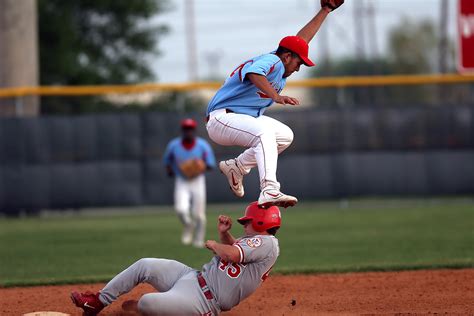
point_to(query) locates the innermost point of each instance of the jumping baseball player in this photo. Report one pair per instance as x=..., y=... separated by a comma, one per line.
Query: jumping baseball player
x=235, y=114
x=187, y=158
x=237, y=270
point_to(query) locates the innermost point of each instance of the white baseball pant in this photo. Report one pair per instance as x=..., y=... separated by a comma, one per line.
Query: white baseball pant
x=264, y=137
x=190, y=204
x=177, y=284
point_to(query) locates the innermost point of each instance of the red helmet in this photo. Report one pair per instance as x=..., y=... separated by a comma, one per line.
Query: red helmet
x=188, y=123
x=262, y=218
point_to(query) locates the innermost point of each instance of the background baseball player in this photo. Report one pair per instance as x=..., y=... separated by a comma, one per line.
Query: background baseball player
x=235, y=114
x=237, y=270
x=187, y=158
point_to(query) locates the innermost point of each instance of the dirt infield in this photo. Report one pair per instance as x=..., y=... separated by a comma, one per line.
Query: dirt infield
x=420, y=292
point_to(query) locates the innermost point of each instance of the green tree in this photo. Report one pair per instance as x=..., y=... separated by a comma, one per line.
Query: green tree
x=413, y=47
x=91, y=42
x=96, y=42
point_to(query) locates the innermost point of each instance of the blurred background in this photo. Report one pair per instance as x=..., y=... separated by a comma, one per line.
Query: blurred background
x=92, y=91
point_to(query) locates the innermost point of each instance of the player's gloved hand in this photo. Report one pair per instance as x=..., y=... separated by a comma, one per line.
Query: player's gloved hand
x=224, y=223
x=331, y=5
x=283, y=99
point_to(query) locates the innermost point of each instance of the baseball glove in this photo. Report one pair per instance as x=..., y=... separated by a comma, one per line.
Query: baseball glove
x=331, y=4
x=191, y=168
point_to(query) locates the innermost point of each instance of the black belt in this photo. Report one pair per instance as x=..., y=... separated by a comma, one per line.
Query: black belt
x=203, y=284
x=226, y=110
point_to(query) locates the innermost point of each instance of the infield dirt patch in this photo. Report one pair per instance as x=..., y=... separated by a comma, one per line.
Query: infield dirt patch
x=420, y=292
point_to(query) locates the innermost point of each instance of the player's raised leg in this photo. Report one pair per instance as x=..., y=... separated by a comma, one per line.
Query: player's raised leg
x=284, y=137
x=246, y=131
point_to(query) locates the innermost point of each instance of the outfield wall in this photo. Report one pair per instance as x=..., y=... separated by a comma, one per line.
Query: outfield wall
x=115, y=159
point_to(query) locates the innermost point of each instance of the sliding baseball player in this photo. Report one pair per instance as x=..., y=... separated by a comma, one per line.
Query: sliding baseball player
x=238, y=268
x=236, y=113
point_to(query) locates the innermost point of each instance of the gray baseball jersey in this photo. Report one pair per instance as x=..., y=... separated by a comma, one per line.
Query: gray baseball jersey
x=233, y=282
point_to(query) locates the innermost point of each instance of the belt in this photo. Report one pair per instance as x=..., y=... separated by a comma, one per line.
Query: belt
x=226, y=110
x=203, y=284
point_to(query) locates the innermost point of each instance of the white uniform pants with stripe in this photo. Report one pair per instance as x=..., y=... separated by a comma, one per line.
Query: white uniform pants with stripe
x=190, y=204
x=264, y=137
x=179, y=290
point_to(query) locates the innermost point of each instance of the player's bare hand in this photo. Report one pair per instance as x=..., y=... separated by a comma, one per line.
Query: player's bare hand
x=224, y=223
x=210, y=244
x=283, y=99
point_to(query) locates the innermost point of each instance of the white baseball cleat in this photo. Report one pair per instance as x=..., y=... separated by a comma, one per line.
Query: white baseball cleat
x=234, y=175
x=272, y=196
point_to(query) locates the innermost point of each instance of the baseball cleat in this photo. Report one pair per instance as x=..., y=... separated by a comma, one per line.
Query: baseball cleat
x=270, y=196
x=234, y=175
x=88, y=301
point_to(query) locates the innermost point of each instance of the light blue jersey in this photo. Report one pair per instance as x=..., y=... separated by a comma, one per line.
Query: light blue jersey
x=176, y=154
x=240, y=95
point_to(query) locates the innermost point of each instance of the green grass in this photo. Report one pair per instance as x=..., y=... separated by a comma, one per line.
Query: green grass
x=316, y=237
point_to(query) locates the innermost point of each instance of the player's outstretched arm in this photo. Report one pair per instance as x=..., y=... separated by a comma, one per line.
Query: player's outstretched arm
x=224, y=224
x=309, y=30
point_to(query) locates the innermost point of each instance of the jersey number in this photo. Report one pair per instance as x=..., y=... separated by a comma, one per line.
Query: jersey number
x=233, y=270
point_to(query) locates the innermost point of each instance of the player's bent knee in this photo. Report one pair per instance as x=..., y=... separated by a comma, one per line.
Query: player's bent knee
x=145, y=261
x=147, y=266
x=265, y=138
x=289, y=136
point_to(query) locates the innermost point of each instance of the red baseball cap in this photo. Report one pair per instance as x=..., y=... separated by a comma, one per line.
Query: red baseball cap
x=188, y=123
x=299, y=46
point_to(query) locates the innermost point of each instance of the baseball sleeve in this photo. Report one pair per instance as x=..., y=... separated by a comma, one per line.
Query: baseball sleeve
x=262, y=66
x=253, y=249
